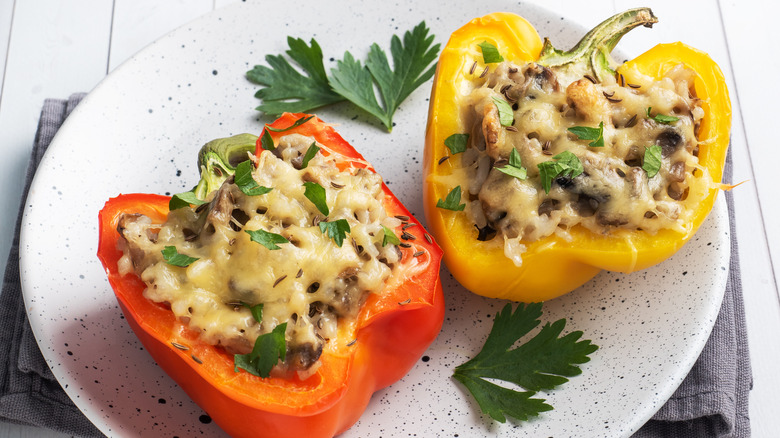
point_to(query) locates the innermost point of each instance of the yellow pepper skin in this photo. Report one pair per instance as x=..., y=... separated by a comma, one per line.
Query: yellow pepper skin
x=554, y=266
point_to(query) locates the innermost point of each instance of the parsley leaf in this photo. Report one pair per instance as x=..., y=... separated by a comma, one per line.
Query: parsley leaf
x=172, y=257
x=267, y=142
x=541, y=363
x=411, y=61
x=181, y=200
x=515, y=167
x=310, y=153
x=268, y=350
x=660, y=118
x=353, y=81
x=267, y=239
x=286, y=90
x=297, y=123
x=257, y=311
x=505, y=113
x=389, y=237
x=245, y=181
x=456, y=143
x=490, y=53
x=452, y=201
x=316, y=194
x=652, y=162
x=565, y=164
x=588, y=133
x=336, y=230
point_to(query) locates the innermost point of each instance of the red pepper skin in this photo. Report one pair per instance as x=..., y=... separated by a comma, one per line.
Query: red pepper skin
x=392, y=331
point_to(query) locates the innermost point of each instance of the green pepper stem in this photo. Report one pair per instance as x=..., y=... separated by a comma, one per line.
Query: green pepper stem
x=217, y=161
x=592, y=52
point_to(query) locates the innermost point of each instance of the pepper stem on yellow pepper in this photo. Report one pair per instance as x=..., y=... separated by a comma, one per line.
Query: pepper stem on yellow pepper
x=592, y=52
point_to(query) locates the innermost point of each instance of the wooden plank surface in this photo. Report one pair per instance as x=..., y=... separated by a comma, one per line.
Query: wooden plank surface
x=84, y=40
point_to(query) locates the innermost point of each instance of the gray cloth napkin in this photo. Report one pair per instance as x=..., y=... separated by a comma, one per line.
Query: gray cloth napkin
x=29, y=393
x=711, y=402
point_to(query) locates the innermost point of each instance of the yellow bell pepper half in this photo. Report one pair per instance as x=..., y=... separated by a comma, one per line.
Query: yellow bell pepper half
x=553, y=266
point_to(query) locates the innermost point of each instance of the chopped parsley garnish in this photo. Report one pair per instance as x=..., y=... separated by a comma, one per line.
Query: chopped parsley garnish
x=490, y=53
x=267, y=142
x=456, y=143
x=652, y=162
x=257, y=311
x=295, y=124
x=336, y=230
x=588, y=133
x=565, y=164
x=172, y=257
x=288, y=90
x=541, y=363
x=316, y=194
x=515, y=166
x=310, y=153
x=452, y=201
x=505, y=113
x=269, y=349
x=181, y=200
x=267, y=239
x=245, y=181
x=660, y=118
x=389, y=237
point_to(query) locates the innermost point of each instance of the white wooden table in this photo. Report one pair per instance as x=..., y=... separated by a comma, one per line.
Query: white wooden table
x=53, y=48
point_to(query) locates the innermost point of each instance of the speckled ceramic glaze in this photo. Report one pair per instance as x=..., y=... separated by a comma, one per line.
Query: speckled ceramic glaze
x=140, y=130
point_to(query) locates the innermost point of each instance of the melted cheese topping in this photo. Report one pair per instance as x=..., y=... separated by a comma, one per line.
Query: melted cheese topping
x=613, y=192
x=311, y=283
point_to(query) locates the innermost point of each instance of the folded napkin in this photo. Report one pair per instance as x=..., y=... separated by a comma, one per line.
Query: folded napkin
x=29, y=393
x=711, y=402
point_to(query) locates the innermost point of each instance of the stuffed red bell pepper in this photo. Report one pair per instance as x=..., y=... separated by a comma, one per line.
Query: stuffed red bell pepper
x=283, y=291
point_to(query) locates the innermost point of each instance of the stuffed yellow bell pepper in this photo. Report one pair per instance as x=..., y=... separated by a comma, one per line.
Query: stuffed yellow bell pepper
x=544, y=167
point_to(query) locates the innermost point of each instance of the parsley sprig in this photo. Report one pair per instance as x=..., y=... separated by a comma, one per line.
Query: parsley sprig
x=588, y=133
x=336, y=230
x=317, y=195
x=257, y=310
x=515, y=166
x=451, y=201
x=286, y=89
x=652, y=161
x=172, y=257
x=310, y=153
x=542, y=363
x=490, y=53
x=389, y=237
x=267, y=142
x=506, y=116
x=565, y=164
x=457, y=143
x=246, y=183
x=267, y=239
x=661, y=118
x=268, y=350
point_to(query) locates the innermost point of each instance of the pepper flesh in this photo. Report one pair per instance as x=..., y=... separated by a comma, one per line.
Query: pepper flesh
x=553, y=266
x=391, y=332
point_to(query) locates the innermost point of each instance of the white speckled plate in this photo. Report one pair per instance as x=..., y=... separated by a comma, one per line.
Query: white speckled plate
x=140, y=130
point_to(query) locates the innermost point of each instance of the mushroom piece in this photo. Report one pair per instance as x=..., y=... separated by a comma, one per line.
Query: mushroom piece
x=669, y=140
x=302, y=356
